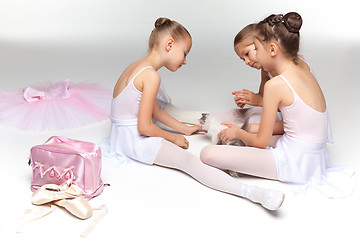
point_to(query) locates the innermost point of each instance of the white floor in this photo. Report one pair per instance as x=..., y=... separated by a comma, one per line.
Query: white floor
x=150, y=202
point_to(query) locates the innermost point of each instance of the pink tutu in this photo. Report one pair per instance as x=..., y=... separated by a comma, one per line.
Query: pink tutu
x=55, y=106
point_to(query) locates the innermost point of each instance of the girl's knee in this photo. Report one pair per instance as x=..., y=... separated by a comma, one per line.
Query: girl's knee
x=206, y=154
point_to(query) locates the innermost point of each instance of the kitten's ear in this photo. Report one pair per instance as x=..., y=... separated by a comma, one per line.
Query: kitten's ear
x=204, y=117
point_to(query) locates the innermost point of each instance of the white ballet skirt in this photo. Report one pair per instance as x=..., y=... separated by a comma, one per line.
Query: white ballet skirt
x=307, y=165
x=58, y=106
x=125, y=143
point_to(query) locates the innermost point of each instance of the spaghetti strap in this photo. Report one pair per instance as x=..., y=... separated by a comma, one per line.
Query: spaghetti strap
x=131, y=82
x=287, y=82
x=140, y=72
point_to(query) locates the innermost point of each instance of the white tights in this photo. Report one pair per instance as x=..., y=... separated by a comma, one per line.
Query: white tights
x=247, y=160
x=172, y=156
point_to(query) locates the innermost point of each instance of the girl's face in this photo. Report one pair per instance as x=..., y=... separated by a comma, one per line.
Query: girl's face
x=178, y=53
x=246, y=51
x=262, y=55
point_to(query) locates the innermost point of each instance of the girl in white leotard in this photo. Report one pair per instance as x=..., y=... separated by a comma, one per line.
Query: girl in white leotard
x=245, y=49
x=300, y=155
x=133, y=135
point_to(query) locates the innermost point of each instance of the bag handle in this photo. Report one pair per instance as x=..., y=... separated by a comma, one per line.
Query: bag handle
x=74, y=143
x=59, y=139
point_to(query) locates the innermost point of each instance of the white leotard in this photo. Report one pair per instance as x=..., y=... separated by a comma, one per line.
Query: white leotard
x=125, y=141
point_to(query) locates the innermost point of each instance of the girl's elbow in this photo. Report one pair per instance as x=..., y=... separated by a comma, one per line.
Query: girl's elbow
x=261, y=144
x=143, y=130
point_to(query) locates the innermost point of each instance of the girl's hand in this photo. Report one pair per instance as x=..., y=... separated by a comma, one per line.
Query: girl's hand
x=193, y=129
x=230, y=133
x=238, y=100
x=181, y=141
x=247, y=97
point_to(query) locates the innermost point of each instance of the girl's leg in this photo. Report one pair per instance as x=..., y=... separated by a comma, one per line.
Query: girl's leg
x=247, y=160
x=172, y=156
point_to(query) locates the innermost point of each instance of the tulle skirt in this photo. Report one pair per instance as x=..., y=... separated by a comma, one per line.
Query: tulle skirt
x=58, y=106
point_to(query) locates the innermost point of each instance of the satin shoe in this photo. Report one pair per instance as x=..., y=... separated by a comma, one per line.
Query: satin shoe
x=52, y=192
x=78, y=207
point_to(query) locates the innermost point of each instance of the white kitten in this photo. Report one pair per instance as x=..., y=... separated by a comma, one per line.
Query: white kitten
x=214, y=127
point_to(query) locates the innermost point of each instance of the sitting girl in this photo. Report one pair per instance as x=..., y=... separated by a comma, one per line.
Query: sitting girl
x=300, y=155
x=134, y=136
x=245, y=49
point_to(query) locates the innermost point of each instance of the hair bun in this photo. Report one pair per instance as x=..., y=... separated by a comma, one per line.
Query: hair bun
x=292, y=22
x=160, y=21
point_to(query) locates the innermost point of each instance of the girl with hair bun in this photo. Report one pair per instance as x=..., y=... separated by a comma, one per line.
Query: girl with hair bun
x=245, y=49
x=133, y=135
x=300, y=155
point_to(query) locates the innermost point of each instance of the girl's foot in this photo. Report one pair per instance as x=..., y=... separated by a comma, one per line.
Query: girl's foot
x=268, y=198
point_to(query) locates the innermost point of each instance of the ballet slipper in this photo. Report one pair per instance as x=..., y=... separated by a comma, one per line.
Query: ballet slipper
x=52, y=192
x=78, y=207
x=268, y=198
x=274, y=200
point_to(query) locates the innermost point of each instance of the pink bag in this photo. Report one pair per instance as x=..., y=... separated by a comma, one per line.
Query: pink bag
x=60, y=159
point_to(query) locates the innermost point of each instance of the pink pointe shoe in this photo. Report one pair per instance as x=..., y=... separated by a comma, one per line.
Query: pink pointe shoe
x=78, y=207
x=52, y=192
x=66, y=195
